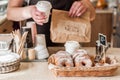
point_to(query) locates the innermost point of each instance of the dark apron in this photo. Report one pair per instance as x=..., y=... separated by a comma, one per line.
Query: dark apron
x=45, y=29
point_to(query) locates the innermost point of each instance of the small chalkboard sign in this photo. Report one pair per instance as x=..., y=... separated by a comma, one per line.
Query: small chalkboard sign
x=102, y=39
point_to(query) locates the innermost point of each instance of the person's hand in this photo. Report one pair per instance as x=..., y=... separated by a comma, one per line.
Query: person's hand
x=38, y=17
x=77, y=9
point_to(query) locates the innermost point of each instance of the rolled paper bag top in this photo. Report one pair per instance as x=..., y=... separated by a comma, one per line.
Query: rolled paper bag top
x=44, y=6
x=71, y=46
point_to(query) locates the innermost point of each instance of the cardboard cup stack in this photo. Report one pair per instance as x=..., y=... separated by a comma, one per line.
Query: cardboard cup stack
x=41, y=50
x=31, y=54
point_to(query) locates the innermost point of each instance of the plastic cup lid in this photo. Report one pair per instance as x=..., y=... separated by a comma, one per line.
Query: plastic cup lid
x=45, y=4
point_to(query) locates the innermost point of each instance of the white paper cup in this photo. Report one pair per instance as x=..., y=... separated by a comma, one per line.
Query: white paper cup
x=71, y=46
x=40, y=40
x=44, y=6
x=39, y=48
x=42, y=54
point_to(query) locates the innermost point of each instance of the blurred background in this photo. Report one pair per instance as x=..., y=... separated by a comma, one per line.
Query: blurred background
x=107, y=21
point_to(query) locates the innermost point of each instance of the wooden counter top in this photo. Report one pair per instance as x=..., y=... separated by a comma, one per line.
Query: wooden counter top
x=39, y=70
x=106, y=11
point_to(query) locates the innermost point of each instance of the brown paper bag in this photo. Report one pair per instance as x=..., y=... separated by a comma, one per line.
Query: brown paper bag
x=64, y=28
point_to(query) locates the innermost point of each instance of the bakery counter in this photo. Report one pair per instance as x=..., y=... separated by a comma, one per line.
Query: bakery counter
x=39, y=70
x=104, y=11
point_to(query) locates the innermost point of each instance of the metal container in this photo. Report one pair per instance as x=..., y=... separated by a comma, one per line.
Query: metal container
x=29, y=42
x=5, y=40
x=3, y=6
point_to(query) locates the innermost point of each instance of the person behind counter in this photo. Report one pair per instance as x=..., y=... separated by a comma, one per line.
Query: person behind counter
x=76, y=8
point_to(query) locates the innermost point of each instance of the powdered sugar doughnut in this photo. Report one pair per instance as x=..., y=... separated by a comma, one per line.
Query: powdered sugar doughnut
x=80, y=52
x=99, y=64
x=64, y=59
x=112, y=59
x=81, y=58
x=82, y=61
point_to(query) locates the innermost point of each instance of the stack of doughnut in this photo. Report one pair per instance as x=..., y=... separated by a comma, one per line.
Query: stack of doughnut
x=62, y=58
x=79, y=58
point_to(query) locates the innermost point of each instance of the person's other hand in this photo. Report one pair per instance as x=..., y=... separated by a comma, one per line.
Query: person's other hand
x=38, y=17
x=77, y=9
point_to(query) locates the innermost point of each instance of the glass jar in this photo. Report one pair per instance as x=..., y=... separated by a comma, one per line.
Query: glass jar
x=101, y=4
x=3, y=6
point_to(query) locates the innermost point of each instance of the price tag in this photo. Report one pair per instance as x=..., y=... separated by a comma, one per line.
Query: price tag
x=102, y=39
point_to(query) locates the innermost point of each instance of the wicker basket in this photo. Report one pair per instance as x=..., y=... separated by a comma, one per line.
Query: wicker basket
x=10, y=66
x=84, y=71
x=9, y=63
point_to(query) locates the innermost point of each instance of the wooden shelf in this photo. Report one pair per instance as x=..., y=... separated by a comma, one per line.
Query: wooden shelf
x=6, y=27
